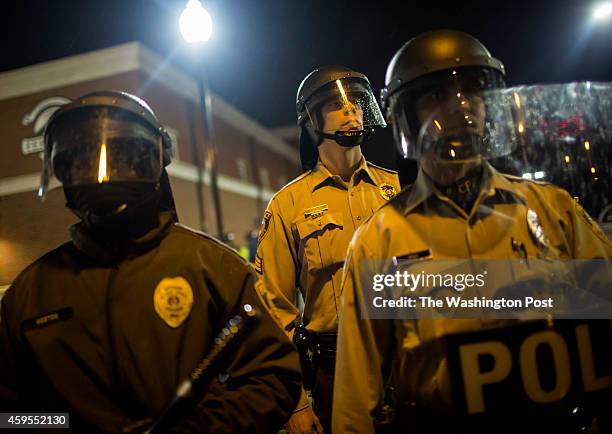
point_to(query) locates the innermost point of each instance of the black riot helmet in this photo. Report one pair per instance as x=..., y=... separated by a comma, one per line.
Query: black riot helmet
x=335, y=90
x=109, y=152
x=438, y=65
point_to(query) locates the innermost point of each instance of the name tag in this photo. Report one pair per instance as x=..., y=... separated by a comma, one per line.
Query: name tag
x=412, y=256
x=47, y=319
x=316, y=211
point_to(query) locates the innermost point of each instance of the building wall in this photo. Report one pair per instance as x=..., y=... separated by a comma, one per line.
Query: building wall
x=29, y=228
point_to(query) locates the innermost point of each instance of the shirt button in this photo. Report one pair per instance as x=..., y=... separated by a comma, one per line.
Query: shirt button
x=358, y=217
x=319, y=223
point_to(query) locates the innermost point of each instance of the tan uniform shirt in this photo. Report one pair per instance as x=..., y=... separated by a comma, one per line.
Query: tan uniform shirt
x=304, y=236
x=420, y=220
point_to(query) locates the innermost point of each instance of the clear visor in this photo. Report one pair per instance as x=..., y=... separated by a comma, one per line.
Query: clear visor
x=466, y=125
x=344, y=105
x=450, y=109
x=561, y=134
x=106, y=146
x=536, y=128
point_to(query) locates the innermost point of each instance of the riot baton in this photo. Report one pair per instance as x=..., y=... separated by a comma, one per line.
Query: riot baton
x=205, y=372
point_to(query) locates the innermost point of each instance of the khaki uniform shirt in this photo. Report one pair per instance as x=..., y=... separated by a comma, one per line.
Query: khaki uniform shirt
x=422, y=222
x=304, y=236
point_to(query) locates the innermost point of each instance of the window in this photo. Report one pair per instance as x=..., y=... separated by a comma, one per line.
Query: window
x=243, y=172
x=264, y=176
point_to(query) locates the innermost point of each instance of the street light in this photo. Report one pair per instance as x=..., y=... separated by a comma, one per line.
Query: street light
x=195, y=23
x=603, y=11
x=196, y=27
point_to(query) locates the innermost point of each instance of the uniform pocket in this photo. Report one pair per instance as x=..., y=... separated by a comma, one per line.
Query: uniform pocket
x=308, y=226
x=317, y=236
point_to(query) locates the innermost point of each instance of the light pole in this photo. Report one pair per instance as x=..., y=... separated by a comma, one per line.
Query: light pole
x=196, y=27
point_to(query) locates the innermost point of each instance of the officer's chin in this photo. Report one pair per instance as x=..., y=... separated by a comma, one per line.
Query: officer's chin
x=445, y=172
x=465, y=129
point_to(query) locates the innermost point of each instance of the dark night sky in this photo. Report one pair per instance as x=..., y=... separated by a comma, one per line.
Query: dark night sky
x=261, y=49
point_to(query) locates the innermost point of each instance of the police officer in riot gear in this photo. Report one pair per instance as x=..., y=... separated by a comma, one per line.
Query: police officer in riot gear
x=112, y=164
x=308, y=224
x=106, y=326
x=335, y=83
x=443, y=98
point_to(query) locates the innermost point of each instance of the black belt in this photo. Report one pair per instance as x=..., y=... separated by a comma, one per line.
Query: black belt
x=323, y=347
x=323, y=342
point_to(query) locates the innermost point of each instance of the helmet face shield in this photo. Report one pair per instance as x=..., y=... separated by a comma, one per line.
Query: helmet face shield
x=102, y=145
x=344, y=105
x=468, y=126
x=559, y=133
x=448, y=106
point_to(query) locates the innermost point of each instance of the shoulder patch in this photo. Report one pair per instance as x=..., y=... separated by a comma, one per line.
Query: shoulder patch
x=265, y=225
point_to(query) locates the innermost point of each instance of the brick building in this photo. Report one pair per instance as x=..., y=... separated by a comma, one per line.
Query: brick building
x=253, y=161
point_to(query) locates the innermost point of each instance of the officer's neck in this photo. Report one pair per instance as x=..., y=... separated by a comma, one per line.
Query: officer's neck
x=339, y=160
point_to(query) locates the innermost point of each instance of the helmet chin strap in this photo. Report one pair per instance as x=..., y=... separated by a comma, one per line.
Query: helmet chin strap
x=348, y=139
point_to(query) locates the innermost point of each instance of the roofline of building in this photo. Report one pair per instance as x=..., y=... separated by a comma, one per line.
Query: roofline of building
x=176, y=169
x=286, y=132
x=128, y=57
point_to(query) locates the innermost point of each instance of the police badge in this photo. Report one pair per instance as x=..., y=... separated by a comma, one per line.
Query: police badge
x=535, y=228
x=173, y=299
x=387, y=191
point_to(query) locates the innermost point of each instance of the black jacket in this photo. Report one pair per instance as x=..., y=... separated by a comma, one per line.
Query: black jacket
x=81, y=333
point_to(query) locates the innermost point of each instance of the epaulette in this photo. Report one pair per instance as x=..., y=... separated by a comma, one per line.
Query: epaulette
x=293, y=181
x=514, y=178
x=384, y=169
x=209, y=238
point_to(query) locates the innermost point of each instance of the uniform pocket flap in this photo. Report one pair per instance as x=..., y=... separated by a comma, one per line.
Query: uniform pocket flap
x=308, y=226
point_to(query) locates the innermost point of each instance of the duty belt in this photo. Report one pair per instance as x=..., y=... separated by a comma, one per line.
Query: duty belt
x=323, y=345
x=317, y=351
x=323, y=350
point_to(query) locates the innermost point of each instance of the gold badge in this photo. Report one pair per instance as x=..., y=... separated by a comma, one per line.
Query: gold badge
x=265, y=225
x=387, y=191
x=173, y=299
x=536, y=229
